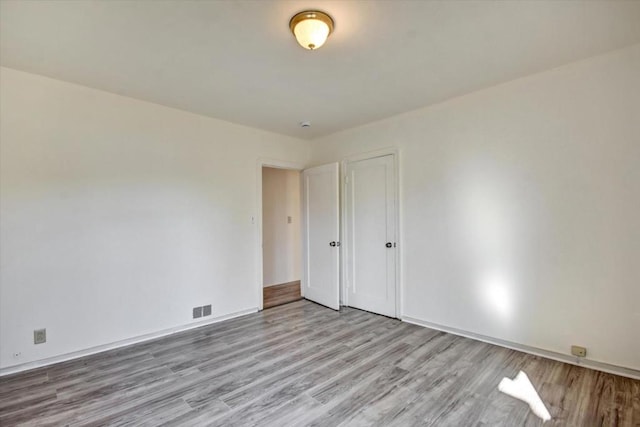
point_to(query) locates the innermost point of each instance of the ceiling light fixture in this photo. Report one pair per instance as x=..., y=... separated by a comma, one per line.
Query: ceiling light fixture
x=311, y=28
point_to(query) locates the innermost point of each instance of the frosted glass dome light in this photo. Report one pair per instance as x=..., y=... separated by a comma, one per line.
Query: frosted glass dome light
x=311, y=28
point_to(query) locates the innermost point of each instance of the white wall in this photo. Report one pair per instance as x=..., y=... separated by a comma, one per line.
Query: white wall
x=521, y=206
x=281, y=243
x=519, y=211
x=118, y=216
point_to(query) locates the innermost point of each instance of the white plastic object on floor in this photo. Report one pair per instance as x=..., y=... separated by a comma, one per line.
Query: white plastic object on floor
x=521, y=388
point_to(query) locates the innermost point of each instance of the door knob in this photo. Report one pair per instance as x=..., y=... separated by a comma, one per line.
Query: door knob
x=332, y=243
x=389, y=244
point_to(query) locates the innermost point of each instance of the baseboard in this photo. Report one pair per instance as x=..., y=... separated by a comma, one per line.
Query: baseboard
x=586, y=363
x=106, y=347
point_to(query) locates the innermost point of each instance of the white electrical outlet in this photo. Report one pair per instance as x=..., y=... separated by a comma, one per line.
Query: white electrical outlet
x=40, y=336
x=578, y=351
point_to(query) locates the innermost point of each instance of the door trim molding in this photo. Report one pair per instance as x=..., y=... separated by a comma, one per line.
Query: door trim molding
x=257, y=219
x=395, y=152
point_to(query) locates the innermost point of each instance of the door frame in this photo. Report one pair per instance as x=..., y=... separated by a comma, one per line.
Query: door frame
x=395, y=153
x=276, y=164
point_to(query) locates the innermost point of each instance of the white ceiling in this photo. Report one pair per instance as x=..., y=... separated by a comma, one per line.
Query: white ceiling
x=237, y=61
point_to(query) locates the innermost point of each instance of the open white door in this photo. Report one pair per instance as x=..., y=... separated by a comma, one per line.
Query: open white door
x=370, y=235
x=321, y=213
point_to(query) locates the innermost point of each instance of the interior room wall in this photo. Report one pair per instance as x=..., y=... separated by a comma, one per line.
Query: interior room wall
x=281, y=243
x=119, y=216
x=520, y=207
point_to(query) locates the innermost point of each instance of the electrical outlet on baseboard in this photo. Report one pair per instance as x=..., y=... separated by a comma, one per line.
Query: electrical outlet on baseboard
x=578, y=351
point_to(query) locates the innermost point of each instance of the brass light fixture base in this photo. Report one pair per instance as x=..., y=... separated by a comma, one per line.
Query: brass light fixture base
x=315, y=15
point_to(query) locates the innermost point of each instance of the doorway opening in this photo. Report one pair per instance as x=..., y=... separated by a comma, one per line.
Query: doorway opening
x=281, y=236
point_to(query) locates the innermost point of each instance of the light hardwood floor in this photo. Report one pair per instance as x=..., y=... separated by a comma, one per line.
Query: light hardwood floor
x=303, y=364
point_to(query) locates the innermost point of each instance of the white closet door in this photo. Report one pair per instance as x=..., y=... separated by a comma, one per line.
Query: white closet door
x=370, y=239
x=320, y=282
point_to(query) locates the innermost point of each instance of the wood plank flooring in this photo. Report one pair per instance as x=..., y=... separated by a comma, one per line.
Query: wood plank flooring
x=281, y=294
x=303, y=364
